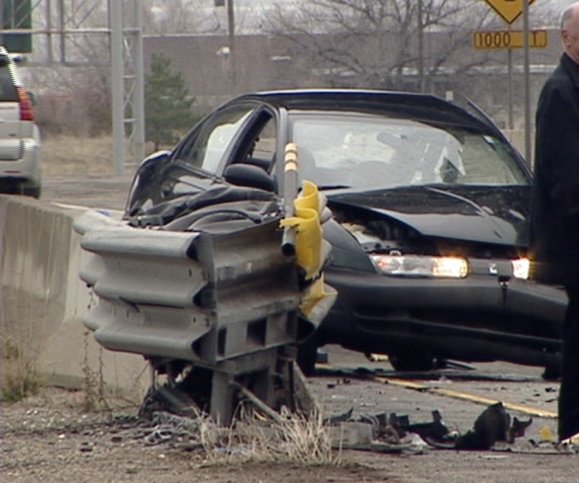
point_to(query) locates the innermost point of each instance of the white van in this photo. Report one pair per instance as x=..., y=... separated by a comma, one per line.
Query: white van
x=20, y=147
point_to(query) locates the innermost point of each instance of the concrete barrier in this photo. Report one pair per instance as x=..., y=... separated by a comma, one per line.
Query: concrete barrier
x=43, y=301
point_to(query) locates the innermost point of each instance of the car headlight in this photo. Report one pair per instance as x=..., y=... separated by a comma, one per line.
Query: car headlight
x=421, y=266
x=521, y=268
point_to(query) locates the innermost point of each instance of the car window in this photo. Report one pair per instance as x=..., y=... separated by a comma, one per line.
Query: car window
x=375, y=151
x=207, y=145
x=7, y=89
x=265, y=143
x=259, y=144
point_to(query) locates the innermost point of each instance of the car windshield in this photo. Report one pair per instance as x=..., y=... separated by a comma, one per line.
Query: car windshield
x=366, y=151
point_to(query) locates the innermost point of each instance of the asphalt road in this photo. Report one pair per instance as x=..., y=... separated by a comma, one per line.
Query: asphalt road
x=460, y=393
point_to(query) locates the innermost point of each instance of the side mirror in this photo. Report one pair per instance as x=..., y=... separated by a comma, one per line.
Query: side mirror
x=154, y=158
x=144, y=181
x=250, y=176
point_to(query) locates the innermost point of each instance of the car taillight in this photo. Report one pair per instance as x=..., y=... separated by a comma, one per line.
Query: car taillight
x=26, y=112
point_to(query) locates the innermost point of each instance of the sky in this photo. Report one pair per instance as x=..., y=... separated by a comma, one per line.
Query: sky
x=250, y=12
x=558, y=5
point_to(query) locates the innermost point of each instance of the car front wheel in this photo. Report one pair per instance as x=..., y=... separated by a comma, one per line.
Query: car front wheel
x=551, y=373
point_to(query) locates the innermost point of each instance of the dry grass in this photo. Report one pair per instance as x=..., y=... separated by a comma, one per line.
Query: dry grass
x=300, y=439
x=19, y=377
x=72, y=156
x=294, y=439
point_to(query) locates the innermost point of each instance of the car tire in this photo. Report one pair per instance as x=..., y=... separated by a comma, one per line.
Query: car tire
x=551, y=373
x=412, y=362
x=34, y=191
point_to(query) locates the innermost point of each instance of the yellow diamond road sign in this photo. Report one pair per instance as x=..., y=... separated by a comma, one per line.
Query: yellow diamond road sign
x=509, y=10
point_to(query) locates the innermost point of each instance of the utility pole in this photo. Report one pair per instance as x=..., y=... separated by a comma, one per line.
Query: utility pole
x=231, y=36
x=420, y=47
x=527, y=76
x=117, y=79
x=1, y=24
x=510, y=122
x=127, y=84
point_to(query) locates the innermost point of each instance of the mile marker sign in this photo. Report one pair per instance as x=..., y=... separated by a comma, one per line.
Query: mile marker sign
x=509, y=39
x=509, y=10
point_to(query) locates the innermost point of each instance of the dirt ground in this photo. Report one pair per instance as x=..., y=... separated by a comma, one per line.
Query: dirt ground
x=51, y=437
x=67, y=155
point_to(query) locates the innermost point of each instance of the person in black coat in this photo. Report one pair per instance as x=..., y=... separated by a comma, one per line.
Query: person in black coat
x=554, y=228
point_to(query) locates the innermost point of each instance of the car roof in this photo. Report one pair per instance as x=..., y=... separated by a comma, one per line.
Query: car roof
x=406, y=104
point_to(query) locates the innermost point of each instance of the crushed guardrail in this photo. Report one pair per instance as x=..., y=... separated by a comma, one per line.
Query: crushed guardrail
x=218, y=312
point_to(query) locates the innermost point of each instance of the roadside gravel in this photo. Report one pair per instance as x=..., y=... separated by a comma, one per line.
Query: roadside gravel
x=52, y=438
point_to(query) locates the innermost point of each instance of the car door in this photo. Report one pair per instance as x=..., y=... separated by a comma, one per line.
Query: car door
x=257, y=143
x=198, y=159
x=194, y=165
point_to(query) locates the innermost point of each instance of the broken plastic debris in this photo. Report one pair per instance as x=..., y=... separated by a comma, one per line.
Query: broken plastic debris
x=546, y=434
x=414, y=440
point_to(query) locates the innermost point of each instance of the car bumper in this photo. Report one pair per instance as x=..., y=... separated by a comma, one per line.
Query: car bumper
x=469, y=319
x=27, y=168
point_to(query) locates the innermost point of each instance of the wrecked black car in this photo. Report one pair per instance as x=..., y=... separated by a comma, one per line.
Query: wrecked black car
x=429, y=232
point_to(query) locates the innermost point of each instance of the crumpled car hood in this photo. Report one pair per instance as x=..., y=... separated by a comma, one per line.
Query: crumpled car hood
x=487, y=214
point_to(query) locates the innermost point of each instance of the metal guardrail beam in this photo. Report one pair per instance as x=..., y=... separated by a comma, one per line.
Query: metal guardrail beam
x=191, y=296
x=216, y=308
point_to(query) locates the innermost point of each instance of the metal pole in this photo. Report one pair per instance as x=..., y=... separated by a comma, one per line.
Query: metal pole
x=528, y=153
x=1, y=24
x=290, y=192
x=49, y=29
x=231, y=32
x=420, y=47
x=510, y=88
x=117, y=71
x=62, y=28
x=510, y=122
x=139, y=88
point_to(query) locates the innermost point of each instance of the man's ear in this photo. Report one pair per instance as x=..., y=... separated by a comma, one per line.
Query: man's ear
x=565, y=38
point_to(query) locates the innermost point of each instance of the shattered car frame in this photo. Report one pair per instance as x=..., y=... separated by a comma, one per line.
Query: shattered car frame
x=429, y=230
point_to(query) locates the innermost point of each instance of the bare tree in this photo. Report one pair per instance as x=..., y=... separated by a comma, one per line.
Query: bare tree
x=72, y=72
x=180, y=16
x=376, y=43
x=162, y=17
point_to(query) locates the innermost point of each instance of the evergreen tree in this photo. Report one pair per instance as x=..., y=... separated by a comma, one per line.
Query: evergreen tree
x=167, y=103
